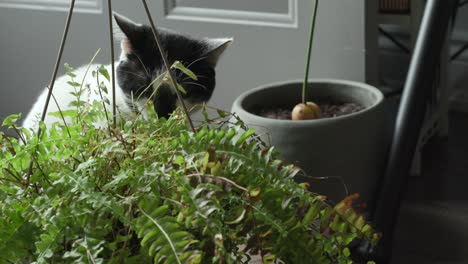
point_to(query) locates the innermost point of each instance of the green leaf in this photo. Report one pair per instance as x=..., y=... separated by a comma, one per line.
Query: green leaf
x=366, y=230
x=178, y=65
x=65, y=113
x=68, y=68
x=201, y=133
x=311, y=214
x=71, y=74
x=165, y=234
x=230, y=134
x=103, y=71
x=360, y=222
x=103, y=87
x=74, y=84
x=255, y=192
x=11, y=120
x=335, y=224
x=205, y=161
x=245, y=136
x=150, y=235
x=77, y=103
x=237, y=215
x=269, y=259
x=181, y=88
x=221, y=113
x=346, y=252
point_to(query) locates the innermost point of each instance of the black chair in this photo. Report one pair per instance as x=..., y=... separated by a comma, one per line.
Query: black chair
x=421, y=78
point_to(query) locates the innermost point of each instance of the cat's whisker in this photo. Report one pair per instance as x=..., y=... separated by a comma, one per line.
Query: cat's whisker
x=132, y=73
x=179, y=75
x=143, y=86
x=189, y=78
x=188, y=67
x=197, y=84
x=151, y=85
x=195, y=61
x=142, y=64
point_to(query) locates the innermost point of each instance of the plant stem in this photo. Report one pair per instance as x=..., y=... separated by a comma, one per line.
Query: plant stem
x=104, y=105
x=166, y=65
x=309, y=52
x=52, y=81
x=114, y=107
x=57, y=63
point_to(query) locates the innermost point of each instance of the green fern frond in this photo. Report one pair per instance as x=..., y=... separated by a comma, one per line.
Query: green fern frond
x=164, y=237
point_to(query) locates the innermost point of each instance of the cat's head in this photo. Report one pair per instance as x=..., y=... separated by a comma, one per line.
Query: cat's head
x=141, y=63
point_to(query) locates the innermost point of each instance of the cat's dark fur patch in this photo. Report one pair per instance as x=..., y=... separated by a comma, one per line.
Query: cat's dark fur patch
x=143, y=63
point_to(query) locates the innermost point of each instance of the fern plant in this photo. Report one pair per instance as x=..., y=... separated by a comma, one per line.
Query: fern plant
x=152, y=190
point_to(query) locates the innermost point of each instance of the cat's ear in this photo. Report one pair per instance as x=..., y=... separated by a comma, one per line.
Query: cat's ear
x=216, y=47
x=132, y=31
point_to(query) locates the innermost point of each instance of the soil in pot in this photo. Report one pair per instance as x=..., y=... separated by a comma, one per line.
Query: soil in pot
x=328, y=109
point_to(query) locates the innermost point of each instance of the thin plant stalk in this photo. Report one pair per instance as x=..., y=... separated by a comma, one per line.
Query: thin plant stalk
x=114, y=108
x=309, y=52
x=166, y=65
x=103, y=104
x=57, y=63
x=52, y=81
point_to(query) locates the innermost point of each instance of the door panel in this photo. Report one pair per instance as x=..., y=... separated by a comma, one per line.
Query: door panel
x=270, y=38
x=280, y=13
x=267, y=6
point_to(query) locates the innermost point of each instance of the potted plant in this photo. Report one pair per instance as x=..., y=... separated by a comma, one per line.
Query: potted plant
x=339, y=136
x=143, y=192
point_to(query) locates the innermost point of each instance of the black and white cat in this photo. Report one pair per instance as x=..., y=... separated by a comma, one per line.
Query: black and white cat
x=140, y=63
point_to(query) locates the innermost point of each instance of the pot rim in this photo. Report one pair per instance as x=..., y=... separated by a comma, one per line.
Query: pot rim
x=378, y=101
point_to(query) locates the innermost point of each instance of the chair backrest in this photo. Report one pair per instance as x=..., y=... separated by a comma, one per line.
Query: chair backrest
x=417, y=91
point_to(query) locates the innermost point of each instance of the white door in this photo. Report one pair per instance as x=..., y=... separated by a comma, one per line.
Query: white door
x=270, y=38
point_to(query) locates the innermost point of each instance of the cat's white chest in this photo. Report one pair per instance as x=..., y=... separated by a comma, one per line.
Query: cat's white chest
x=64, y=94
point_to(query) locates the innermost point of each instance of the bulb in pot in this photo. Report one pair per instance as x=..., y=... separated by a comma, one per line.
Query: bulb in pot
x=316, y=109
x=309, y=110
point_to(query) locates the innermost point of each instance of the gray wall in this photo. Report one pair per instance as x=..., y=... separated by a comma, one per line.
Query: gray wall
x=28, y=48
